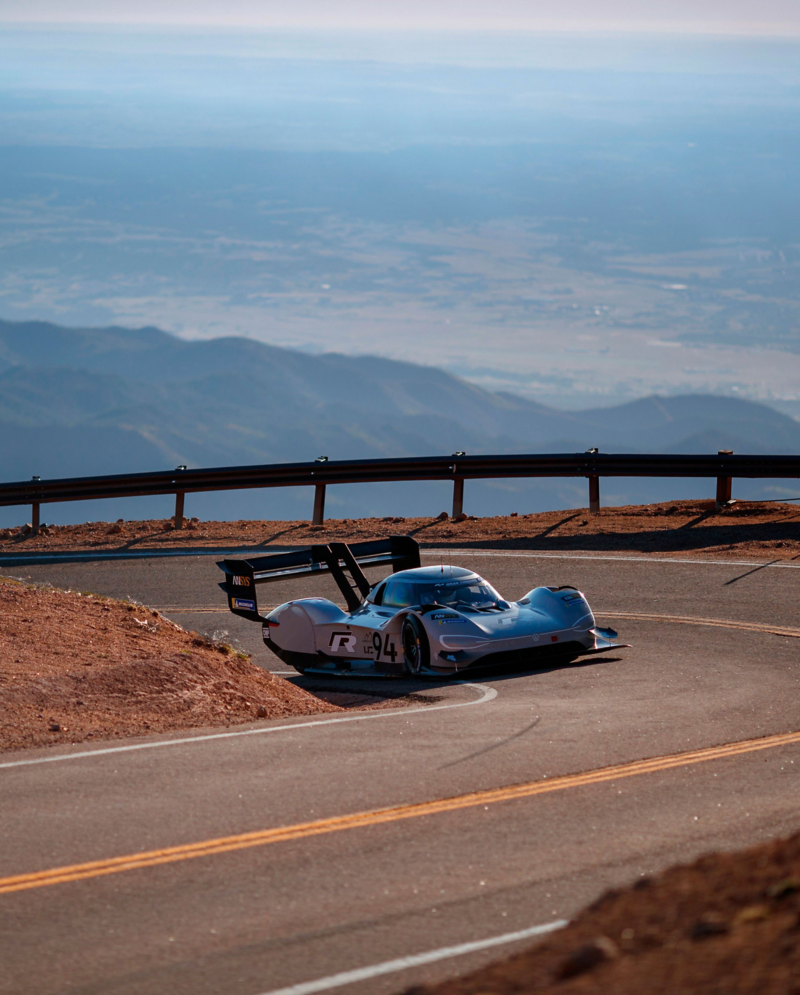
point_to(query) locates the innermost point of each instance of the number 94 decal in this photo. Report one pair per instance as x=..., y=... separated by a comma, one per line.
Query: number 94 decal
x=383, y=647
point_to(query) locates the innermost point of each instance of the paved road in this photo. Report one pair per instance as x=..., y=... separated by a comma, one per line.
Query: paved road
x=254, y=919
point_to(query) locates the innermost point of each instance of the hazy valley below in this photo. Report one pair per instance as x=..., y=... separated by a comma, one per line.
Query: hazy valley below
x=576, y=221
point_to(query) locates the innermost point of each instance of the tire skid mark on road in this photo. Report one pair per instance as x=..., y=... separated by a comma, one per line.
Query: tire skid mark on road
x=361, y=820
x=775, y=630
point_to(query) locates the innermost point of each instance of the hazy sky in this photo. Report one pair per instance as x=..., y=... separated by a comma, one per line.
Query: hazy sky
x=714, y=16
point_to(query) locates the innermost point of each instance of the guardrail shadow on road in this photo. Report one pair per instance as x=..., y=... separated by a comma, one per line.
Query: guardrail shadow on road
x=707, y=538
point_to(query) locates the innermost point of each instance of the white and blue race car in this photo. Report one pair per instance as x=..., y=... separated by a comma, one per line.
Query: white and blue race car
x=438, y=620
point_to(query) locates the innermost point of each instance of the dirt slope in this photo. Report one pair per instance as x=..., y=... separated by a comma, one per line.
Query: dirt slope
x=76, y=667
x=728, y=924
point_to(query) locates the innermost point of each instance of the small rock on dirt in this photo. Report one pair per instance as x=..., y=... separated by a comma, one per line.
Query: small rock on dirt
x=710, y=925
x=587, y=957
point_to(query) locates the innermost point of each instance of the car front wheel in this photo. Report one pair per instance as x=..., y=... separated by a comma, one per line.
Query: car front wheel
x=416, y=650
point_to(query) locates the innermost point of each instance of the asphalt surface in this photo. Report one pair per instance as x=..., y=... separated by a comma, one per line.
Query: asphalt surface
x=252, y=920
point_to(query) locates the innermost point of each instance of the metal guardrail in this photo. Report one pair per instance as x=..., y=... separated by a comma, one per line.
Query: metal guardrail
x=458, y=467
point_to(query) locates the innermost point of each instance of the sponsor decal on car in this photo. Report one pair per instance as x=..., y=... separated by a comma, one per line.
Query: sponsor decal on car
x=342, y=642
x=244, y=603
x=239, y=581
x=269, y=624
x=443, y=616
x=572, y=599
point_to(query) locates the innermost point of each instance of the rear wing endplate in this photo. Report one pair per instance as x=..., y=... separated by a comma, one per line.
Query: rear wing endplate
x=344, y=562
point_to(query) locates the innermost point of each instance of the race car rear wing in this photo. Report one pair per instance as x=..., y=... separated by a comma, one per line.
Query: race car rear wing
x=344, y=562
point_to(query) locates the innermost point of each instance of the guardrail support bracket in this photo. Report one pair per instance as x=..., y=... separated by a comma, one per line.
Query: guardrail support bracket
x=724, y=486
x=35, y=518
x=594, y=494
x=319, y=504
x=179, y=509
x=458, y=497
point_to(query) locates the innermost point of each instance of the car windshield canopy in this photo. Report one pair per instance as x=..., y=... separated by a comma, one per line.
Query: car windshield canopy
x=465, y=592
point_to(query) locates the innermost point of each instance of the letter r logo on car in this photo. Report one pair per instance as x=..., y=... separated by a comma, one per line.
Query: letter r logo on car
x=342, y=641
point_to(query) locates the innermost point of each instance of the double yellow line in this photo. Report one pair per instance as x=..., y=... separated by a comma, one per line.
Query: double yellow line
x=359, y=820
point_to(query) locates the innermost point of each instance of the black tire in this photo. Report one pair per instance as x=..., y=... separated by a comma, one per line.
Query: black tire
x=416, y=649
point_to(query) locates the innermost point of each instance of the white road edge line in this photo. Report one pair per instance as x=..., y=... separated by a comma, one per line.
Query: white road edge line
x=487, y=695
x=619, y=559
x=403, y=963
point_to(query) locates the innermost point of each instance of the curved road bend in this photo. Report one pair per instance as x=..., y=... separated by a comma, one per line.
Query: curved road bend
x=300, y=906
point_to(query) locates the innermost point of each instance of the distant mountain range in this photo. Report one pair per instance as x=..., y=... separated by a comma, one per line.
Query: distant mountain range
x=114, y=400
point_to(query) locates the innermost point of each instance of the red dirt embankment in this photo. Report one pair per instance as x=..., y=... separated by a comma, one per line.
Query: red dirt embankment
x=76, y=667
x=745, y=529
x=728, y=924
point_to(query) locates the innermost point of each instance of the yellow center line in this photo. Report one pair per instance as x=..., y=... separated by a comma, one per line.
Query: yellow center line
x=693, y=620
x=358, y=820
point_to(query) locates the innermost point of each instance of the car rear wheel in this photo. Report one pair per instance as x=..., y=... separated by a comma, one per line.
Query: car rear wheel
x=416, y=650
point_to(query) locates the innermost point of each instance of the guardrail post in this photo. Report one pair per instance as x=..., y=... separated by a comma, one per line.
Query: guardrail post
x=319, y=504
x=179, y=509
x=35, y=518
x=594, y=493
x=724, y=484
x=458, y=497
